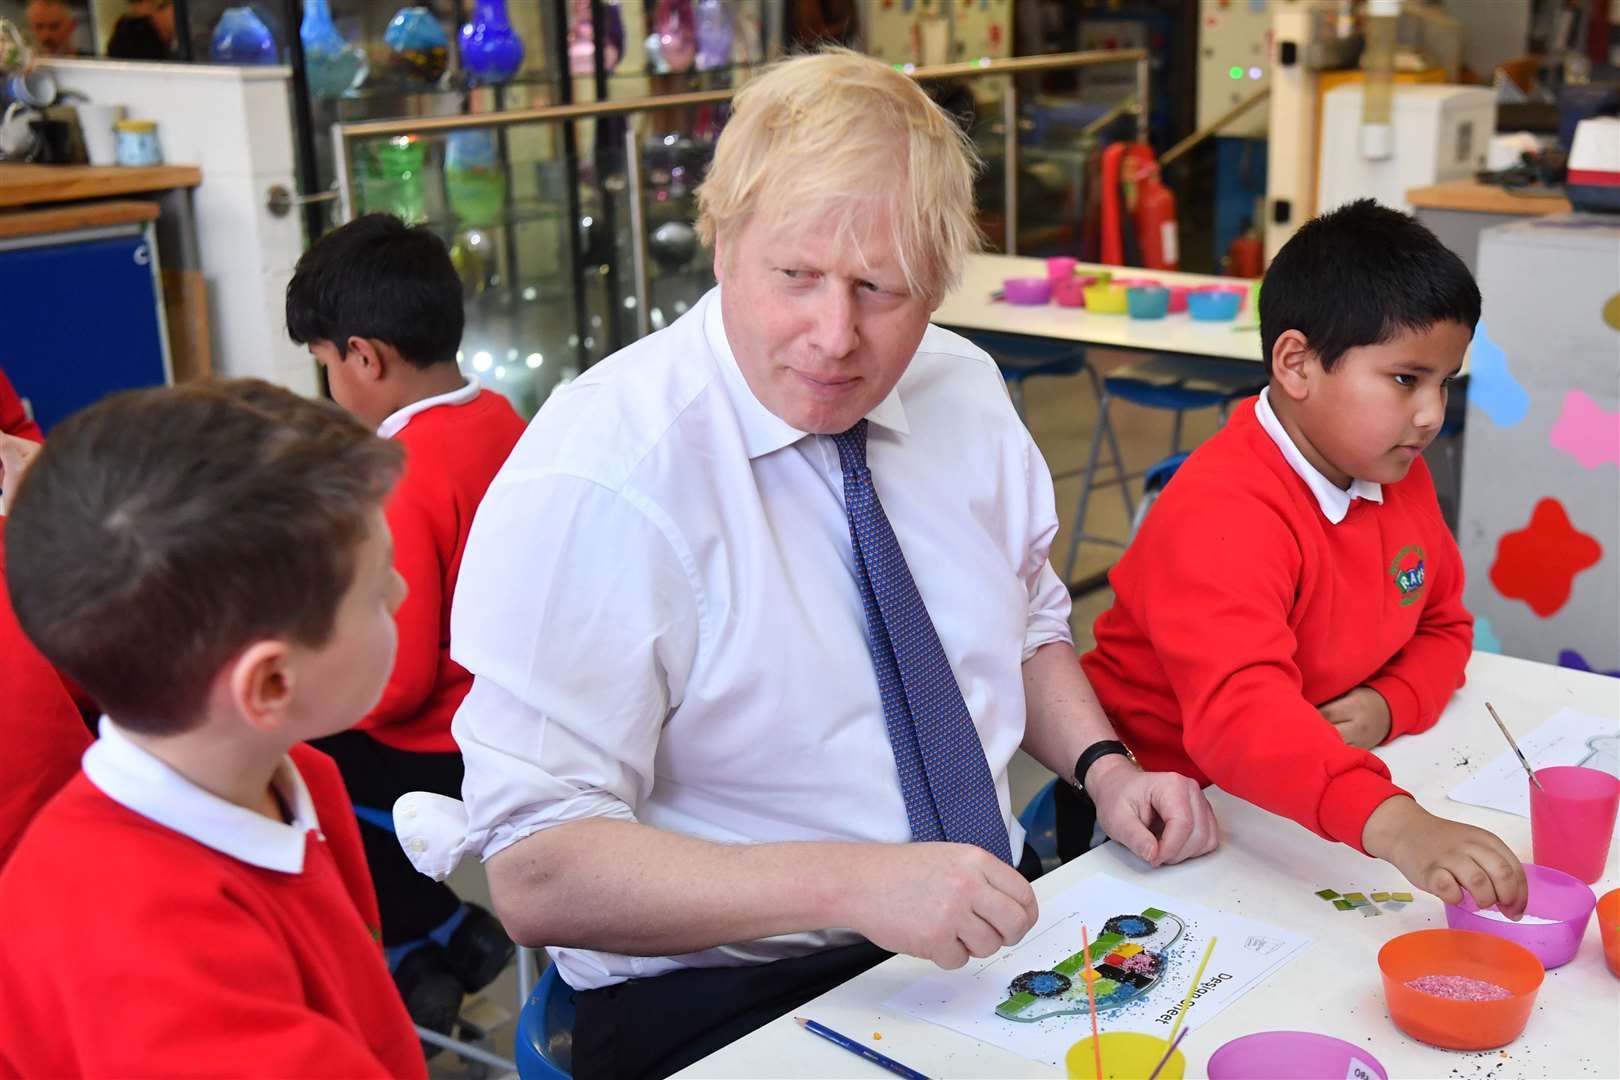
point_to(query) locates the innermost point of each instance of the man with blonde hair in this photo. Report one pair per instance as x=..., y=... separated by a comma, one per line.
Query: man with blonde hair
x=759, y=610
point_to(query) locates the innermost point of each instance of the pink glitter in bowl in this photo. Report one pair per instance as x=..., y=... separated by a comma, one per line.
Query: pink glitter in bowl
x=1459, y=988
x=1142, y=963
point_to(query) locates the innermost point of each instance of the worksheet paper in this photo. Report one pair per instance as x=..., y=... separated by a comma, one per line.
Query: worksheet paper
x=1568, y=738
x=1246, y=953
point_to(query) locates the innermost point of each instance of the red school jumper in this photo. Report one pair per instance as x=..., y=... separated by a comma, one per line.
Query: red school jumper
x=133, y=950
x=452, y=452
x=1239, y=608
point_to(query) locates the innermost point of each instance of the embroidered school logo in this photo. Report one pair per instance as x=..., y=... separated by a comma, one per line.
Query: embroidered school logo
x=1407, y=571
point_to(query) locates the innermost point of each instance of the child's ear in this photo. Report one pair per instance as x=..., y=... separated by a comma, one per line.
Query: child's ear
x=261, y=683
x=1294, y=364
x=370, y=357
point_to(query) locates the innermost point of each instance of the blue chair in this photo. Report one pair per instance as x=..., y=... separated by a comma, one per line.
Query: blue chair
x=1039, y=820
x=1173, y=383
x=545, y=1030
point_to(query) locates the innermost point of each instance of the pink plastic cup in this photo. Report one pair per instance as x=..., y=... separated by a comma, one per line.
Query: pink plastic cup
x=1060, y=266
x=1572, y=819
x=1070, y=291
x=1553, y=895
x=1178, y=298
x=1285, y=1055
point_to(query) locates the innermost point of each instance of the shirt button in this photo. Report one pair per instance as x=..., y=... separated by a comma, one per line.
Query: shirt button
x=418, y=844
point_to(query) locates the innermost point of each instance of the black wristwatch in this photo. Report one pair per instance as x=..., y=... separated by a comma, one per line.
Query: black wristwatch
x=1095, y=752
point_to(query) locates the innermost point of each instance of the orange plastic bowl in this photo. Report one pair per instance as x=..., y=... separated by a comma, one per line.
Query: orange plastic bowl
x=1608, y=915
x=1459, y=1025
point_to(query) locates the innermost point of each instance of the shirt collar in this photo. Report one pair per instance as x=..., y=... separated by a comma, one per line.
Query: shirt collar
x=1334, y=500
x=763, y=431
x=134, y=778
x=397, y=421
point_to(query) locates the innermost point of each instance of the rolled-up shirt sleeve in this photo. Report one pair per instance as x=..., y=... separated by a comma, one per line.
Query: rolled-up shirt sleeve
x=577, y=616
x=1049, y=602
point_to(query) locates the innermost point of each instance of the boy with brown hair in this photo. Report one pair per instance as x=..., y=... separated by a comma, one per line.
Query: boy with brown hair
x=195, y=900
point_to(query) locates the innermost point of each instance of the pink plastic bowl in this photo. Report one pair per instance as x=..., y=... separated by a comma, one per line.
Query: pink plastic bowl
x=1553, y=895
x=1070, y=291
x=1285, y=1055
x=1178, y=298
x=1027, y=290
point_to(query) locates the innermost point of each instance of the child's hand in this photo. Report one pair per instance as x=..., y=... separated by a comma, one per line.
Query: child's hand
x=1446, y=857
x=1361, y=717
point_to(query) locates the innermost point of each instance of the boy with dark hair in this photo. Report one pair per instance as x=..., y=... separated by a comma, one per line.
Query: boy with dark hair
x=195, y=900
x=379, y=305
x=1295, y=599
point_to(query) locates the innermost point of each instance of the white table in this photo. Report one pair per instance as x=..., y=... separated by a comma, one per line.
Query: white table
x=1268, y=868
x=970, y=307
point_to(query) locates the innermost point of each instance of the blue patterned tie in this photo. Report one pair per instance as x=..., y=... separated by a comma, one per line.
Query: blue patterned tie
x=946, y=781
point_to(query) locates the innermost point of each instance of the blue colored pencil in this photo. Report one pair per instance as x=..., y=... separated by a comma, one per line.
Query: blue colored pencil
x=856, y=1048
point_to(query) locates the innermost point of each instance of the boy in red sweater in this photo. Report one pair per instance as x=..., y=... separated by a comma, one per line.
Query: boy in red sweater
x=195, y=900
x=1295, y=599
x=379, y=305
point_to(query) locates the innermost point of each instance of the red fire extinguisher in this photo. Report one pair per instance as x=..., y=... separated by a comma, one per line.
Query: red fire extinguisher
x=1156, y=219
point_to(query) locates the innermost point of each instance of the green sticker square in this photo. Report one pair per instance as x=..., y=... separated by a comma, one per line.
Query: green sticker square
x=1343, y=905
x=1403, y=897
x=1380, y=897
x=1327, y=894
x=1356, y=898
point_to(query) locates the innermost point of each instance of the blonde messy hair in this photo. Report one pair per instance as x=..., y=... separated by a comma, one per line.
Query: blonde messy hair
x=819, y=141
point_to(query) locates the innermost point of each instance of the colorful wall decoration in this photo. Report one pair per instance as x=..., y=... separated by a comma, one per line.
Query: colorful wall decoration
x=1539, y=514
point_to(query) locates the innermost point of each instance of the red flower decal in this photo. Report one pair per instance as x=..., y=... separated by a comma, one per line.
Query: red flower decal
x=1538, y=563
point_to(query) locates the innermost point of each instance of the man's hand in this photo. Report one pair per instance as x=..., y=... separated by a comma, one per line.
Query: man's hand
x=1361, y=717
x=15, y=454
x=940, y=901
x=1446, y=857
x=1161, y=816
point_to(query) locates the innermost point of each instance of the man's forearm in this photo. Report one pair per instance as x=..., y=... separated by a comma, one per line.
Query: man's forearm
x=623, y=887
x=1063, y=715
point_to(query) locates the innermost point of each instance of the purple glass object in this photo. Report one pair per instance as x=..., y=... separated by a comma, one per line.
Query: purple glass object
x=491, y=51
x=1284, y=1055
x=714, y=35
x=1553, y=895
x=676, y=30
x=1029, y=291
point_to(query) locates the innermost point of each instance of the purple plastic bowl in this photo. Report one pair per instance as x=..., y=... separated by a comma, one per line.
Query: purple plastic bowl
x=1027, y=290
x=1553, y=895
x=1285, y=1055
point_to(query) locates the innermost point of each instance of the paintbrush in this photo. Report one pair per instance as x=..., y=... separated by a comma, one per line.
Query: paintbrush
x=1090, y=977
x=1527, y=769
x=1186, y=1002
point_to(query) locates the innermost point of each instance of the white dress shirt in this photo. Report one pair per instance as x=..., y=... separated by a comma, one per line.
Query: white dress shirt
x=130, y=775
x=1334, y=500
x=659, y=607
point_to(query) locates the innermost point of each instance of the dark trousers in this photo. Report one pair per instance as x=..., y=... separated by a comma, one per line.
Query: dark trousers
x=655, y=1027
x=376, y=774
x=1076, y=820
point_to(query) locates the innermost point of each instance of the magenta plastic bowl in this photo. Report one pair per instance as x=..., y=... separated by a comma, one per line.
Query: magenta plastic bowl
x=1285, y=1055
x=1178, y=298
x=1027, y=290
x=1070, y=291
x=1553, y=895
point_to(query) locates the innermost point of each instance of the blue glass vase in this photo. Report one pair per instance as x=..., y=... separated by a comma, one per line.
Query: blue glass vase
x=491, y=51
x=240, y=37
x=418, y=46
x=332, y=65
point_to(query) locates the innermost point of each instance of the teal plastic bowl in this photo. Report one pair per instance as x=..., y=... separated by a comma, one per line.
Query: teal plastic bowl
x=1214, y=306
x=1147, y=301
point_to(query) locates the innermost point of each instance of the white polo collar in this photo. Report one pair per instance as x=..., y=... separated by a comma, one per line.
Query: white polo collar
x=1334, y=500
x=132, y=777
x=395, y=422
x=763, y=431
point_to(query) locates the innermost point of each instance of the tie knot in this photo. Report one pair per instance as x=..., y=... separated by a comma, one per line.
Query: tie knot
x=852, y=448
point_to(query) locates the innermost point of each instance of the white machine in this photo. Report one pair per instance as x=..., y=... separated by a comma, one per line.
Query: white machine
x=1234, y=60
x=1439, y=133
